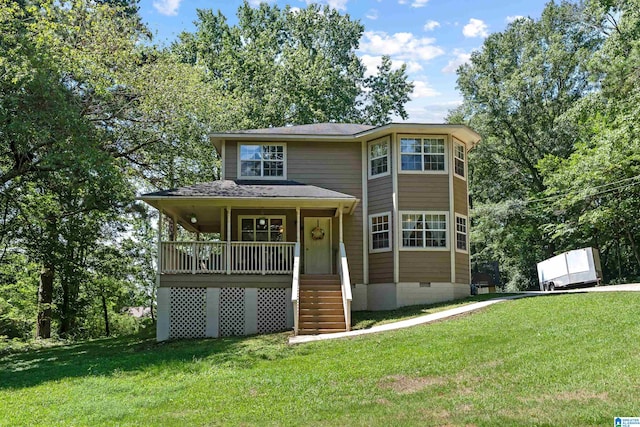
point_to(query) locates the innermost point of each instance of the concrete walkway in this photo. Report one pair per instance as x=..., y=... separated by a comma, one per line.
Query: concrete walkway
x=632, y=287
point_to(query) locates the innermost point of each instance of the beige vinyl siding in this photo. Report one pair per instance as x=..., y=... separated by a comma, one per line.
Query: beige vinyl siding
x=423, y=192
x=381, y=267
x=336, y=166
x=380, y=195
x=461, y=206
x=462, y=268
x=460, y=196
x=231, y=160
x=425, y=266
x=380, y=200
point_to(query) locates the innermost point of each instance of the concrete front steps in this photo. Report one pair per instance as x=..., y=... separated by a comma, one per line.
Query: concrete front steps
x=321, y=310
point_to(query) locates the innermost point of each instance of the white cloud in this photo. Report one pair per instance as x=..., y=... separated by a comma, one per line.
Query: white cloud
x=371, y=65
x=419, y=3
x=421, y=89
x=167, y=7
x=460, y=57
x=372, y=14
x=475, y=28
x=431, y=25
x=399, y=45
x=510, y=19
x=412, y=66
x=256, y=3
x=402, y=1
x=334, y=4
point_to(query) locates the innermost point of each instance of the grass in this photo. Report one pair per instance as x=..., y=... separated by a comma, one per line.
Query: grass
x=368, y=319
x=553, y=360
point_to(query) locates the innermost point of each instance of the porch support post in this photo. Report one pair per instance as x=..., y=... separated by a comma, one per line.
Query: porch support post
x=299, y=225
x=340, y=235
x=228, y=240
x=174, y=227
x=159, y=246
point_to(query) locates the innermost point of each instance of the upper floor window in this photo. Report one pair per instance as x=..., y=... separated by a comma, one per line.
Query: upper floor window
x=380, y=232
x=379, y=158
x=423, y=154
x=459, y=155
x=262, y=161
x=424, y=230
x=461, y=233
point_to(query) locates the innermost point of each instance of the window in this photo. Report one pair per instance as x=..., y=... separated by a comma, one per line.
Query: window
x=379, y=158
x=424, y=230
x=262, y=161
x=262, y=229
x=380, y=232
x=461, y=233
x=422, y=154
x=459, y=157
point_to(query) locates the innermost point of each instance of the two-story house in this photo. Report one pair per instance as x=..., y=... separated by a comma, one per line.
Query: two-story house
x=311, y=222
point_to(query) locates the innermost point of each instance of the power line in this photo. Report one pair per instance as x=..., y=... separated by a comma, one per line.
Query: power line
x=607, y=190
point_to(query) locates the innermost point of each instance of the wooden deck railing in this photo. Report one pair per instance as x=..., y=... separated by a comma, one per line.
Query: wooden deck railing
x=226, y=257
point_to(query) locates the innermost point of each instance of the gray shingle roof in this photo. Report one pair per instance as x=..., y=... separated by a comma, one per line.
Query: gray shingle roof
x=346, y=129
x=235, y=189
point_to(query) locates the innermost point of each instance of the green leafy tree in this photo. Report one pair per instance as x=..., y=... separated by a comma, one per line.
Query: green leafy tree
x=287, y=66
x=597, y=189
x=517, y=90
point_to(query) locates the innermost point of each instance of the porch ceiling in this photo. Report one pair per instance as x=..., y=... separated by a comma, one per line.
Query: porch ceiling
x=206, y=201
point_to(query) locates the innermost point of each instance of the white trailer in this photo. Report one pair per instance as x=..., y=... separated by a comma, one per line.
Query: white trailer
x=580, y=266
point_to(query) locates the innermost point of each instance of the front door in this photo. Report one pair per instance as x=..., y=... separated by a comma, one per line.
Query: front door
x=317, y=245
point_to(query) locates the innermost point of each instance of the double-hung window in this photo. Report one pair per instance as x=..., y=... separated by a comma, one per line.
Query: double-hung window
x=424, y=230
x=379, y=158
x=267, y=161
x=461, y=233
x=423, y=154
x=380, y=232
x=459, y=155
x=262, y=229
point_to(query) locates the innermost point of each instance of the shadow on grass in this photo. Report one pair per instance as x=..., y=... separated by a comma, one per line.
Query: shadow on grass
x=115, y=356
x=369, y=319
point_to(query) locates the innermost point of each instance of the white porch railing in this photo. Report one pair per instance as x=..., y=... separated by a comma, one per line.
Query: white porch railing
x=226, y=257
x=192, y=257
x=262, y=257
x=345, y=283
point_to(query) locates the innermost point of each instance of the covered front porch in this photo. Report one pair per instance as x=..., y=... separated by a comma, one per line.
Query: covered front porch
x=229, y=234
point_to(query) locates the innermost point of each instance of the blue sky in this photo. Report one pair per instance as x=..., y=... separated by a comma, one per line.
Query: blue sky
x=433, y=37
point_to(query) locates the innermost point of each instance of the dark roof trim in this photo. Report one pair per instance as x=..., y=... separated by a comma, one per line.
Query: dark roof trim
x=249, y=190
x=344, y=132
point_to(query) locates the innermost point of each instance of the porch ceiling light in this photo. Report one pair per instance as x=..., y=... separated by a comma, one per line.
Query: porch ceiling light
x=193, y=219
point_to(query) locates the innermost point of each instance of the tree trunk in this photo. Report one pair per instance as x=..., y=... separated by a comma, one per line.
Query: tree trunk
x=64, y=318
x=634, y=247
x=45, y=299
x=105, y=313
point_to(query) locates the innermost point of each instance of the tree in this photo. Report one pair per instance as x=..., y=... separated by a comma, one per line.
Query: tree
x=287, y=66
x=517, y=90
x=597, y=189
x=79, y=122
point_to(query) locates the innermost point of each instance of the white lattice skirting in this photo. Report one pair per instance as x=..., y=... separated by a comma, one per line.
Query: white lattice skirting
x=214, y=312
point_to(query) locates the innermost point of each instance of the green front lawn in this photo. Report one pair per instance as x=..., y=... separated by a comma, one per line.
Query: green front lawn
x=369, y=319
x=554, y=360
